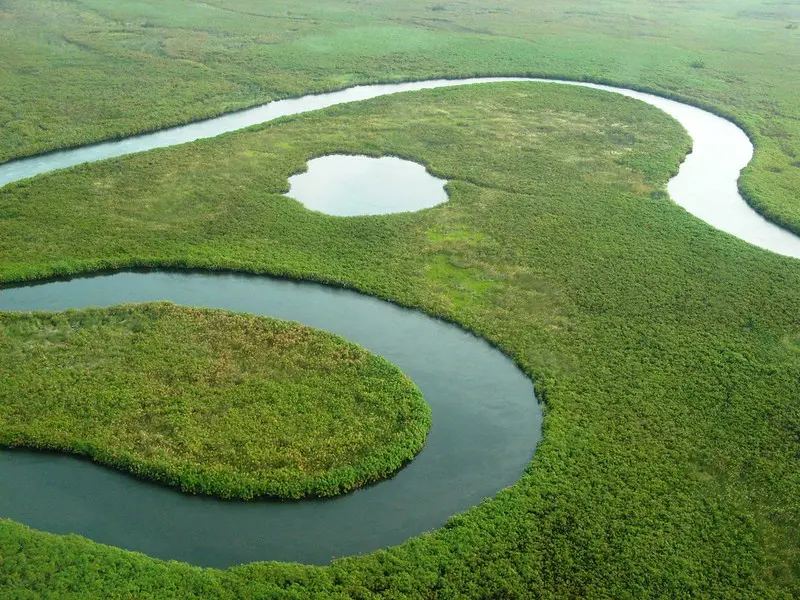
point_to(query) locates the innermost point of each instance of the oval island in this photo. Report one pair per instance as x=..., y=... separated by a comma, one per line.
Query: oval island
x=213, y=402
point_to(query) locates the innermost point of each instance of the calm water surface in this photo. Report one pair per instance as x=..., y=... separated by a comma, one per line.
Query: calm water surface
x=486, y=421
x=346, y=186
x=705, y=186
x=486, y=424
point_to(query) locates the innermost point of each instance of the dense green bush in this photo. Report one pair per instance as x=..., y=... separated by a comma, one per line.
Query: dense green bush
x=666, y=352
x=212, y=402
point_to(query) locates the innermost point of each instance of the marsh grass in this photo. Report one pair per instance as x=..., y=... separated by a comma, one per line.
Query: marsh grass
x=85, y=70
x=212, y=402
x=664, y=350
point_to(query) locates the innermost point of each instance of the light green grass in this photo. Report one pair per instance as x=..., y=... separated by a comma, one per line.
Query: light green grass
x=82, y=70
x=663, y=350
x=209, y=401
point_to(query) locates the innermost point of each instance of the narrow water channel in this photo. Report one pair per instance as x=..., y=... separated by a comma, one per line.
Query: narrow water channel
x=706, y=185
x=486, y=422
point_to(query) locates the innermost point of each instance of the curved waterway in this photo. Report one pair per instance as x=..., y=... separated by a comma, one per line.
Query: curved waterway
x=486, y=424
x=705, y=186
x=486, y=421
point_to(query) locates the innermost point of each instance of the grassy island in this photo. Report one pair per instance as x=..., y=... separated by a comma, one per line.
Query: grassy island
x=214, y=402
x=667, y=353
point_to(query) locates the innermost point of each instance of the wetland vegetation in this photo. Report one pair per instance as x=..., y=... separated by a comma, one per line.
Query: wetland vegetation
x=79, y=71
x=649, y=335
x=667, y=354
x=212, y=402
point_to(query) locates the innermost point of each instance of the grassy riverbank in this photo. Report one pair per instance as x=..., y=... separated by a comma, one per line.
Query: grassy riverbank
x=79, y=71
x=212, y=402
x=666, y=352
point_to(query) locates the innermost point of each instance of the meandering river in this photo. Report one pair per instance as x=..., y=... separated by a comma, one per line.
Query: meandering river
x=486, y=422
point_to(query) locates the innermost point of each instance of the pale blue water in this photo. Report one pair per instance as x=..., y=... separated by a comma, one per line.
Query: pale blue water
x=705, y=186
x=346, y=186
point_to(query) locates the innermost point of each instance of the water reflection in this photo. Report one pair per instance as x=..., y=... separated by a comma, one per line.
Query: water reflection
x=346, y=186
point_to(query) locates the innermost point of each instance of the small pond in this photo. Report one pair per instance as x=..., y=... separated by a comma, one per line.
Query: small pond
x=347, y=186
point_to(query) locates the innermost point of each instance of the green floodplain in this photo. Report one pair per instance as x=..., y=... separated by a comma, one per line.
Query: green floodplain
x=667, y=354
x=215, y=403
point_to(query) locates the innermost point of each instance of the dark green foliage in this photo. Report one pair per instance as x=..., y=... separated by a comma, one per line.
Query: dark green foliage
x=668, y=354
x=213, y=402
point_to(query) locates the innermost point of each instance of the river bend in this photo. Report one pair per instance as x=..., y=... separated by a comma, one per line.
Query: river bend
x=486, y=420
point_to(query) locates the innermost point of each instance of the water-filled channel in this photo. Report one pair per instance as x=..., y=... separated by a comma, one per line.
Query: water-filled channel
x=486, y=422
x=705, y=186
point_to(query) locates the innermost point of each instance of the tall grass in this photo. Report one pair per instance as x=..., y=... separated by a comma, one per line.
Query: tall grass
x=212, y=402
x=666, y=352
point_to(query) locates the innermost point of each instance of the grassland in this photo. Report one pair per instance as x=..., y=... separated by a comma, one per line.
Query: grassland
x=82, y=70
x=667, y=354
x=212, y=402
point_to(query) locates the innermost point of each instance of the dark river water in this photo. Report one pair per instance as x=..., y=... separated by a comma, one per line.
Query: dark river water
x=486, y=422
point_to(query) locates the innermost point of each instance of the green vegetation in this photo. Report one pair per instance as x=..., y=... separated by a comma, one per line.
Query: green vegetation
x=214, y=402
x=75, y=71
x=666, y=352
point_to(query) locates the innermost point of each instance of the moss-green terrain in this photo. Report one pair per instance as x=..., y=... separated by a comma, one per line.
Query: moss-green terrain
x=664, y=350
x=213, y=402
x=82, y=70
x=667, y=353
